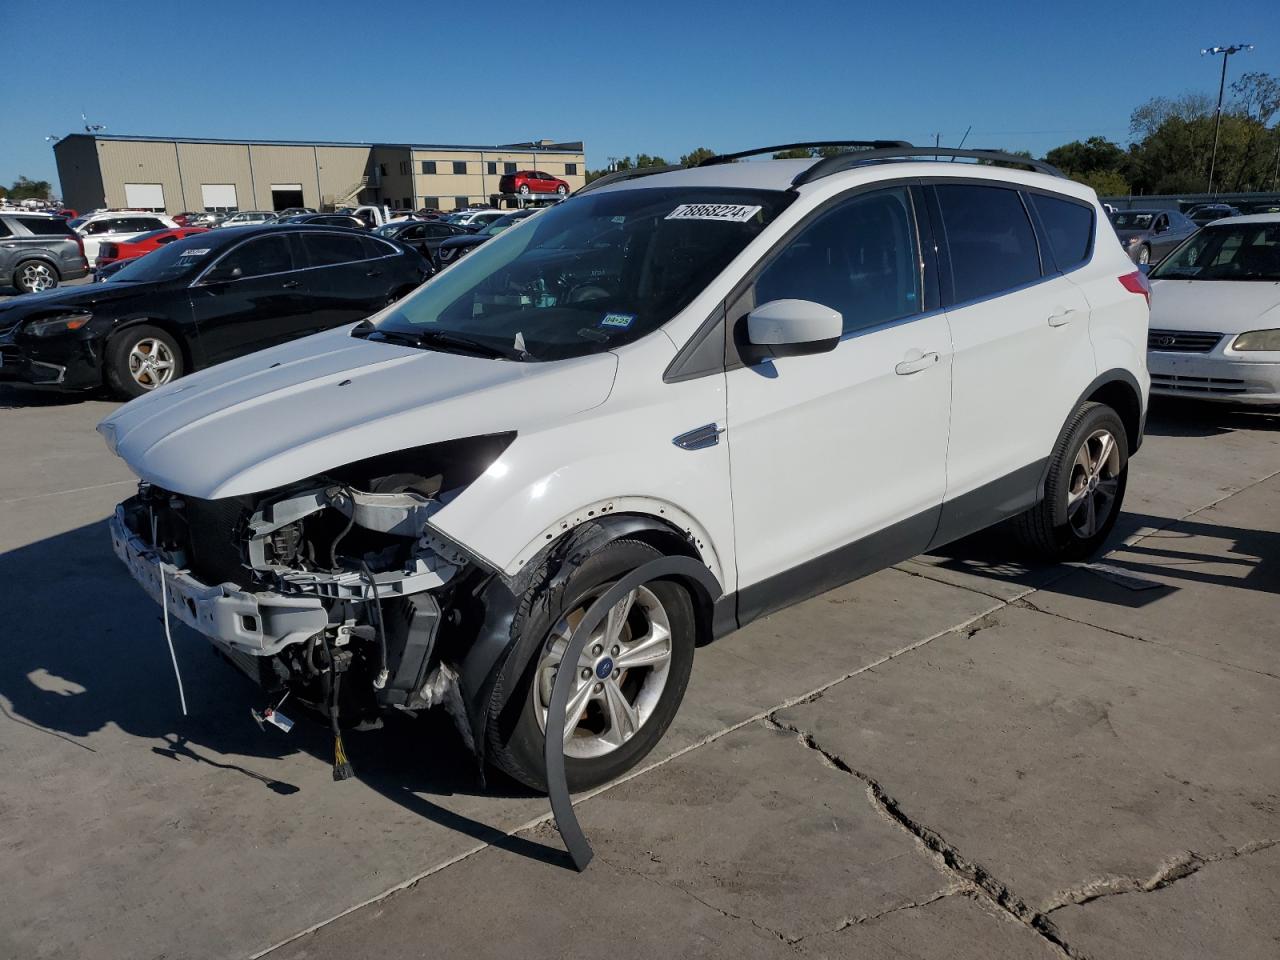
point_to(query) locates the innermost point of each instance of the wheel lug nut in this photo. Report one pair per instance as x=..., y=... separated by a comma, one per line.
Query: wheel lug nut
x=586, y=674
x=617, y=674
x=596, y=650
x=616, y=649
x=599, y=687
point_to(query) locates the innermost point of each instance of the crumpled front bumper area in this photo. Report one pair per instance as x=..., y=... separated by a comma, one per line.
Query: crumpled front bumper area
x=259, y=623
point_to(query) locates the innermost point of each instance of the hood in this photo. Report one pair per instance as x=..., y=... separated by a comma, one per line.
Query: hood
x=293, y=411
x=1215, y=306
x=63, y=298
x=463, y=241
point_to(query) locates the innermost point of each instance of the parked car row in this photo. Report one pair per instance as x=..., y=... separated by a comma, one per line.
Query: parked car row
x=196, y=301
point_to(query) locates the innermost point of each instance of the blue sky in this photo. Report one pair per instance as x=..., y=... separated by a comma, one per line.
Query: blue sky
x=655, y=77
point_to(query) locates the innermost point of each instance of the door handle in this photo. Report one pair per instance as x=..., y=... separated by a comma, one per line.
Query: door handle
x=916, y=364
x=291, y=284
x=1061, y=318
x=373, y=273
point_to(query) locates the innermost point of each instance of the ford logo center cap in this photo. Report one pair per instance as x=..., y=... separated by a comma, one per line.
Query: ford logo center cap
x=604, y=668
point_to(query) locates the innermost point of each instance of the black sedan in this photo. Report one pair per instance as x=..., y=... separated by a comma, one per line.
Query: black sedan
x=199, y=301
x=326, y=220
x=425, y=236
x=455, y=248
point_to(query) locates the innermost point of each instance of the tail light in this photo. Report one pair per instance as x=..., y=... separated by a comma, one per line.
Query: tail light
x=1137, y=282
x=79, y=243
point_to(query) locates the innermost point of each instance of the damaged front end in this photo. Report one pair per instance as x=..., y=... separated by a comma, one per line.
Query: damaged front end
x=335, y=591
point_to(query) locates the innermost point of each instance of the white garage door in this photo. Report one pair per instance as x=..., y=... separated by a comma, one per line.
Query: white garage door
x=144, y=196
x=219, y=196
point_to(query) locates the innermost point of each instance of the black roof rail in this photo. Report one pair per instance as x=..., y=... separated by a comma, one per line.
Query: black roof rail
x=620, y=175
x=808, y=144
x=843, y=161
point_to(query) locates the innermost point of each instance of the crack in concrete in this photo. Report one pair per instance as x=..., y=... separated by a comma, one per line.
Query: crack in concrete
x=728, y=914
x=1171, y=870
x=955, y=889
x=949, y=859
x=1025, y=604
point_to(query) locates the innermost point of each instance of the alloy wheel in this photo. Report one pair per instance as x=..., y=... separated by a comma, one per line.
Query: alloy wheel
x=36, y=277
x=151, y=363
x=619, y=678
x=1095, y=482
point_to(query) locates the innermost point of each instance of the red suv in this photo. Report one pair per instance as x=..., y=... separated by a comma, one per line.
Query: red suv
x=525, y=182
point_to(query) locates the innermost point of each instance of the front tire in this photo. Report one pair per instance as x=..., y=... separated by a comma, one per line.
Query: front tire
x=524, y=190
x=32, y=276
x=142, y=358
x=632, y=676
x=1083, y=493
x=562, y=190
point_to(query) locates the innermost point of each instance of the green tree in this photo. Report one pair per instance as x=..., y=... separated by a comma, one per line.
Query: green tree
x=795, y=153
x=24, y=189
x=1107, y=183
x=696, y=156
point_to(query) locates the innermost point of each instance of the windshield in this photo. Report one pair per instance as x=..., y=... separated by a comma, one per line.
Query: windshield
x=1227, y=252
x=174, y=260
x=1132, y=220
x=587, y=275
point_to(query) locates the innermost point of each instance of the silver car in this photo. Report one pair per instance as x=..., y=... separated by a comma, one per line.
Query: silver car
x=37, y=251
x=1147, y=235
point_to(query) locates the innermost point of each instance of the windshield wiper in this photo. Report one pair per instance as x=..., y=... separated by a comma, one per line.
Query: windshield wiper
x=445, y=338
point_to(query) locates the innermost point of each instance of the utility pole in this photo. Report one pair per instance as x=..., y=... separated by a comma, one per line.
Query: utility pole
x=1226, y=53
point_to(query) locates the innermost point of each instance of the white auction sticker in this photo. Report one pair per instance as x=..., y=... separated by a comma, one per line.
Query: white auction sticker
x=728, y=212
x=195, y=253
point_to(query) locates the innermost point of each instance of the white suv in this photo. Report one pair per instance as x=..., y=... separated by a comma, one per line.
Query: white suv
x=794, y=372
x=117, y=226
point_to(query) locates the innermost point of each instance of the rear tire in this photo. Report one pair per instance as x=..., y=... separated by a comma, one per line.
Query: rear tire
x=653, y=691
x=32, y=276
x=142, y=358
x=1084, y=490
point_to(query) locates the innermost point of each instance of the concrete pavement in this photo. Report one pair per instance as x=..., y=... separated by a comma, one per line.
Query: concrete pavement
x=964, y=756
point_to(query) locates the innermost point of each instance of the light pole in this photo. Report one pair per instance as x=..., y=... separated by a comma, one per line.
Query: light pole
x=1222, y=83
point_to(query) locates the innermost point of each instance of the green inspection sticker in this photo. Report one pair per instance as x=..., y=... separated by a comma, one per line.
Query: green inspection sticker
x=619, y=320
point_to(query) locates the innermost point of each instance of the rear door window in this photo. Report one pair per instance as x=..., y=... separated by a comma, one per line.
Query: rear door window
x=990, y=239
x=329, y=249
x=4, y=229
x=45, y=226
x=1069, y=226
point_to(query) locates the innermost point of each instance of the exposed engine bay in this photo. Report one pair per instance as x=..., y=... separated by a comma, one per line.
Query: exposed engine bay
x=334, y=591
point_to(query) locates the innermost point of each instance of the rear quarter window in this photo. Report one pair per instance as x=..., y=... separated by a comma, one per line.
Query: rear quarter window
x=989, y=237
x=45, y=226
x=1069, y=226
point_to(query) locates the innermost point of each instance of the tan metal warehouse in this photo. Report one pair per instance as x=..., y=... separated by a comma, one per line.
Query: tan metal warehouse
x=175, y=174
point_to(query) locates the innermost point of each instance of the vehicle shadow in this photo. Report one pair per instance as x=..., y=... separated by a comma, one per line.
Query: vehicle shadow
x=87, y=651
x=1185, y=417
x=13, y=396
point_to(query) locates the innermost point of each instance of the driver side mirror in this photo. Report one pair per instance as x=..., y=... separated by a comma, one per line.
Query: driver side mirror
x=220, y=275
x=792, y=328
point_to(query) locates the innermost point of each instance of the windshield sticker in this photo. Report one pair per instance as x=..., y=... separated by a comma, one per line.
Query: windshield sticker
x=618, y=320
x=195, y=253
x=728, y=212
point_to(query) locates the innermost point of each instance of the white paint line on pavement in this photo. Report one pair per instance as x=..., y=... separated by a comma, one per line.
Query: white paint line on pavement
x=754, y=718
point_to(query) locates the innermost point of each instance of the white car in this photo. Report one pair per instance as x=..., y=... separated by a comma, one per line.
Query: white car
x=1215, y=314
x=476, y=218
x=248, y=218
x=792, y=372
x=117, y=226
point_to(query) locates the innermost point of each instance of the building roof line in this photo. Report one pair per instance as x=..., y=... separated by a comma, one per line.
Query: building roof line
x=573, y=146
